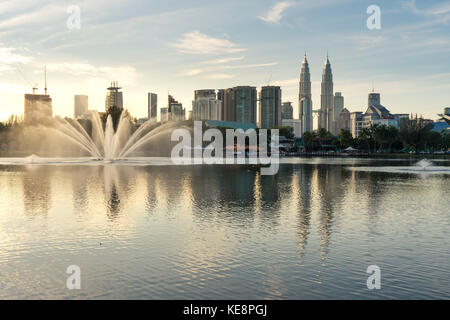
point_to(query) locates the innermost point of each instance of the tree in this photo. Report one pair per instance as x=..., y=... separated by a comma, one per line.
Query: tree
x=345, y=139
x=413, y=132
x=287, y=132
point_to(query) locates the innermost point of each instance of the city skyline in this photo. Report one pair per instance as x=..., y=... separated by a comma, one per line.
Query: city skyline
x=264, y=44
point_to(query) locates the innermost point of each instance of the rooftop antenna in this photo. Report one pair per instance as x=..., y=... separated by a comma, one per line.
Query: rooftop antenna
x=373, y=87
x=45, y=77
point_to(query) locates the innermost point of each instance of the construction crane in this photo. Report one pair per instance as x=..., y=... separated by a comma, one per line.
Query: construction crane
x=34, y=87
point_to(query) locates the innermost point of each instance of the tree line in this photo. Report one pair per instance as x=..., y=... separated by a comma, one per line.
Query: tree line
x=413, y=135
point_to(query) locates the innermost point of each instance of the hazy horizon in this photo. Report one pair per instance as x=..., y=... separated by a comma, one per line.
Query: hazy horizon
x=149, y=46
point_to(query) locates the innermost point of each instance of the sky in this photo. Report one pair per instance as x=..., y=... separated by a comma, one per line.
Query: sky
x=179, y=46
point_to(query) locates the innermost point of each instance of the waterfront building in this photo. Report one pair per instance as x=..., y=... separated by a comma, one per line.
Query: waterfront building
x=206, y=106
x=374, y=99
x=270, y=107
x=152, y=105
x=80, y=106
x=356, y=123
x=287, y=111
x=164, y=115
x=114, y=97
x=326, y=98
x=306, y=115
x=245, y=104
x=295, y=124
x=338, y=106
x=175, y=110
x=344, y=121
x=37, y=107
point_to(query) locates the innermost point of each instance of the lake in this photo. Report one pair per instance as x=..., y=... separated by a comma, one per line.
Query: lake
x=225, y=232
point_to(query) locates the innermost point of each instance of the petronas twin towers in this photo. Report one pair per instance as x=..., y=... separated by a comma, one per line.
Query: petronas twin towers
x=326, y=112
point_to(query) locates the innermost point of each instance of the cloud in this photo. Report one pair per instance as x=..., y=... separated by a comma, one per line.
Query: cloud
x=191, y=72
x=126, y=74
x=247, y=66
x=225, y=60
x=9, y=56
x=439, y=13
x=196, y=42
x=274, y=15
x=219, y=76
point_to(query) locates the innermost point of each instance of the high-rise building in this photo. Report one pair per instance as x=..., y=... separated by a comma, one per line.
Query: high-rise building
x=164, y=115
x=152, y=105
x=221, y=97
x=175, y=111
x=344, y=120
x=270, y=107
x=356, y=123
x=206, y=106
x=306, y=115
x=287, y=111
x=37, y=107
x=114, y=97
x=295, y=124
x=304, y=94
x=229, y=105
x=305, y=81
x=326, y=98
x=245, y=99
x=374, y=99
x=80, y=105
x=338, y=106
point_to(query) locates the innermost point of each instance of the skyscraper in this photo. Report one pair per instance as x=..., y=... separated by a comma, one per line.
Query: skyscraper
x=306, y=115
x=326, y=98
x=175, y=110
x=270, y=107
x=80, y=105
x=206, y=106
x=229, y=105
x=114, y=97
x=374, y=99
x=37, y=106
x=287, y=111
x=305, y=107
x=305, y=81
x=152, y=105
x=245, y=104
x=338, y=106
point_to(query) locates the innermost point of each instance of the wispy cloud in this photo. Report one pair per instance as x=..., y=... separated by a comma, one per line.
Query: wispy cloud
x=191, y=72
x=219, y=76
x=247, y=66
x=196, y=42
x=224, y=60
x=127, y=74
x=275, y=14
x=440, y=13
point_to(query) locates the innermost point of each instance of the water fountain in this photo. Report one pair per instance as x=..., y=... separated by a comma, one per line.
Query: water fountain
x=423, y=167
x=103, y=145
x=424, y=164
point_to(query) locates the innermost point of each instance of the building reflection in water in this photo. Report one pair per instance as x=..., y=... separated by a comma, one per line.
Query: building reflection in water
x=37, y=190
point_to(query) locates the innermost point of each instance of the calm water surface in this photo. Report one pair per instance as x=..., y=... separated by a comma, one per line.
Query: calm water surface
x=213, y=232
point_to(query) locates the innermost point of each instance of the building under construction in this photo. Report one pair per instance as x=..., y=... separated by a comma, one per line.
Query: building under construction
x=37, y=106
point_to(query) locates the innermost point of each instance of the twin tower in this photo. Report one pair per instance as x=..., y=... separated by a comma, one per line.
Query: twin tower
x=327, y=114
